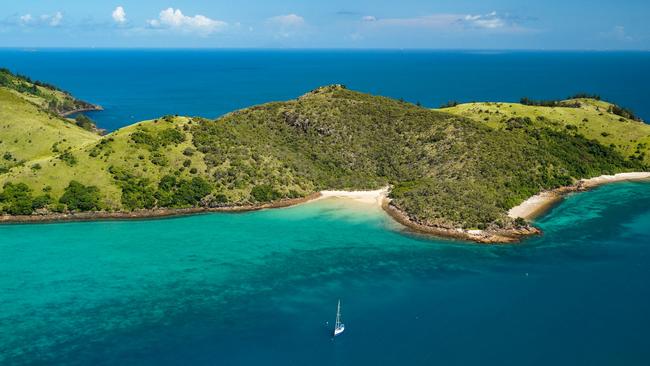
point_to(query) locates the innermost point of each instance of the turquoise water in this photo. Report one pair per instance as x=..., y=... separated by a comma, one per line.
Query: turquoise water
x=134, y=85
x=258, y=288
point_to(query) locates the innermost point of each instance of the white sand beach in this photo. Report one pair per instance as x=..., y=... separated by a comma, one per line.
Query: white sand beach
x=537, y=204
x=376, y=196
x=603, y=179
x=532, y=206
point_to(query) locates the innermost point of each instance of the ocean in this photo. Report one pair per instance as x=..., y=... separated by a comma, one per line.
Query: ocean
x=261, y=287
x=134, y=85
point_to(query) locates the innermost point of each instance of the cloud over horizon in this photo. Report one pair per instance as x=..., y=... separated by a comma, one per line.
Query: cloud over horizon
x=286, y=26
x=174, y=19
x=450, y=22
x=52, y=20
x=119, y=15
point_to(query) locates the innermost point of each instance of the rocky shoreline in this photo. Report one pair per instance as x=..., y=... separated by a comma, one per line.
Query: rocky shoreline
x=93, y=108
x=479, y=236
x=148, y=214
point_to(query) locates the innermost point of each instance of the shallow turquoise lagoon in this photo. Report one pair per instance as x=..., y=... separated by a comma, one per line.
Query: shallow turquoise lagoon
x=261, y=288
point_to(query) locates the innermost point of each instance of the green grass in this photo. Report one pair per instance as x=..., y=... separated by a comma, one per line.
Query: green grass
x=593, y=120
x=28, y=133
x=44, y=95
x=113, y=150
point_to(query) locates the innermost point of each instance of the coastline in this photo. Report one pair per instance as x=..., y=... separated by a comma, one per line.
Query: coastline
x=532, y=207
x=149, y=214
x=543, y=201
x=94, y=108
x=504, y=236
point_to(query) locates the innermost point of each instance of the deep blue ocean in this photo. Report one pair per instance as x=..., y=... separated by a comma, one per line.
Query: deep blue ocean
x=134, y=85
x=261, y=288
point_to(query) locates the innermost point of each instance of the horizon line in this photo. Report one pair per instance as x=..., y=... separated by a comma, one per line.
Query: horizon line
x=144, y=48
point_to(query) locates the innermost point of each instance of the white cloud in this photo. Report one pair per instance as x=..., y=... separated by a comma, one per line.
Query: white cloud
x=52, y=20
x=174, y=19
x=452, y=22
x=285, y=26
x=428, y=21
x=487, y=21
x=289, y=20
x=26, y=19
x=369, y=18
x=119, y=15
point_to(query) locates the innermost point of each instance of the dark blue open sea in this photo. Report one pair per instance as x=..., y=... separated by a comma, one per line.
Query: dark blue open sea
x=134, y=85
x=261, y=288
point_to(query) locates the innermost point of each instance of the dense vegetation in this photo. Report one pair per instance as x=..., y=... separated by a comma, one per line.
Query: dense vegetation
x=78, y=197
x=445, y=169
x=18, y=199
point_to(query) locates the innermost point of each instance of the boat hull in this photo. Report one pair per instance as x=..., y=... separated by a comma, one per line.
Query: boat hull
x=339, y=330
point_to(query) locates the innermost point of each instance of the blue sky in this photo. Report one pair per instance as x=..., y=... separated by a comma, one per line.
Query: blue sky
x=486, y=24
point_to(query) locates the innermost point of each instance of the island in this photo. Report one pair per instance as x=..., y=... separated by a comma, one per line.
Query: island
x=474, y=171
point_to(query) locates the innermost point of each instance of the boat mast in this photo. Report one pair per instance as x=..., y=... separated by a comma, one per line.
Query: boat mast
x=338, y=314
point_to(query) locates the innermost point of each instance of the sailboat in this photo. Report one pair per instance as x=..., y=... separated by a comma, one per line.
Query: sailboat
x=338, y=326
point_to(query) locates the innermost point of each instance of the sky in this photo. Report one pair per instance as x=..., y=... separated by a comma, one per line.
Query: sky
x=403, y=24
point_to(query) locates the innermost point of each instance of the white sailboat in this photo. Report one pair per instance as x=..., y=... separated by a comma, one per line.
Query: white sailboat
x=338, y=326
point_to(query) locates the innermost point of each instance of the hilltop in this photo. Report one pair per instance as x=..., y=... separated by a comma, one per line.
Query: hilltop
x=592, y=118
x=450, y=170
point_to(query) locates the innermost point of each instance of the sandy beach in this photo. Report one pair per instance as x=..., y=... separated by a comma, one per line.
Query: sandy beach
x=538, y=204
x=376, y=196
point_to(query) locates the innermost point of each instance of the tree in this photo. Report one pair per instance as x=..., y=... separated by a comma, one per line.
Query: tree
x=17, y=199
x=79, y=197
x=84, y=122
x=264, y=193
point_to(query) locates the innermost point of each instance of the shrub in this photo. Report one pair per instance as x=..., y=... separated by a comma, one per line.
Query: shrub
x=264, y=193
x=161, y=138
x=584, y=96
x=68, y=158
x=623, y=112
x=78, y=197
x=175, y=192
x=518, y=122
x=84, y=122
x=159, y=159
x=41, y=201
x=17, y=199
x=451, y=103
x=170, y=136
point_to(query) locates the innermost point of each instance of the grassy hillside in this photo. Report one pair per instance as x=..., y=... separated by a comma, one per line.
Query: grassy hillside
x=44, y=95
x=27, y=132
x=447, y=170
x=594, y=119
